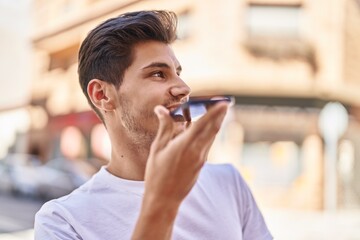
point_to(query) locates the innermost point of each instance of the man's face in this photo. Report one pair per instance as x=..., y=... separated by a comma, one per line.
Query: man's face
x=152, y=79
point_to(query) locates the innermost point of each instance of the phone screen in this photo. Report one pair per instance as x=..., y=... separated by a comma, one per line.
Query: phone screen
x=196, y=107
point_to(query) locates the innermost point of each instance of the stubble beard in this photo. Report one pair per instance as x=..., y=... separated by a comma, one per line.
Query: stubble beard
x=141, y=136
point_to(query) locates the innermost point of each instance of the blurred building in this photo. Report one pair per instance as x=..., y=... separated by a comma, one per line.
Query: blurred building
x=15, y=70
x=282, y=59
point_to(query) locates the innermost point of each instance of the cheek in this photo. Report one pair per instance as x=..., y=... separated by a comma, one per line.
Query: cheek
x=145, y=104
x=141, y=104
x=145, y=114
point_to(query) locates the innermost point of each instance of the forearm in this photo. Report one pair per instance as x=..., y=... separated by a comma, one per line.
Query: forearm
x=156, y=219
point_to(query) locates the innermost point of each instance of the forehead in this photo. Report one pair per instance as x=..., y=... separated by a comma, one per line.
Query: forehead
x=153, y=51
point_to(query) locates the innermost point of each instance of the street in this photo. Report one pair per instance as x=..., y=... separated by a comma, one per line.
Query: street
x=17, y=214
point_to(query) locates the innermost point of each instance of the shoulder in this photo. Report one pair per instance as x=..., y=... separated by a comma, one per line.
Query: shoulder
x=231, y=184
x=57, y=210
x=222, y=172
x=218, y=168
x=63, y=216
x=224, y=177
x=68, y=207
x=52, y=218
x=55, y=221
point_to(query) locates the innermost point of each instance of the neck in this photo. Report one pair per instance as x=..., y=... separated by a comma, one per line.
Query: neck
x=130, y=150
x=128, y=159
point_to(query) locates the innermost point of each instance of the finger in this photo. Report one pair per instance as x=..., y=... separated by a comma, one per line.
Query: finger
x=210, y=123
x=208, y=147
x=203, y=152
x=204, y=143
x=166, y=127
x=201, y=135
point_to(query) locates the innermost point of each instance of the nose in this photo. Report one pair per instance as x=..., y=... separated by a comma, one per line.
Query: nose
x=181, y=90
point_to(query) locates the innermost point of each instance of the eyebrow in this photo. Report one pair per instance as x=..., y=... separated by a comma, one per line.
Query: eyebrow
x=161, y=65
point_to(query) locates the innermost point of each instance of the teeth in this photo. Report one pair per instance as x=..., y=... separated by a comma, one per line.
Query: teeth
x=172, y=108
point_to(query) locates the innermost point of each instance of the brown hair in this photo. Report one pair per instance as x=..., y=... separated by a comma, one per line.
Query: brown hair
x=106, y=52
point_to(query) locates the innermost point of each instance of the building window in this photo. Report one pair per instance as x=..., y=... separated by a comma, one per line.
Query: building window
x=64, y=58
x=274, y=32
x=276, y=21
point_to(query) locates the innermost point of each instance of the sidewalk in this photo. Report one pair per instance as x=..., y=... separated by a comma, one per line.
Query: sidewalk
x=302, y=225
x=23, y=235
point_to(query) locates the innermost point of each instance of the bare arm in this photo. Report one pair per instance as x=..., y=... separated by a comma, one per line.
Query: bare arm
x=172, y=169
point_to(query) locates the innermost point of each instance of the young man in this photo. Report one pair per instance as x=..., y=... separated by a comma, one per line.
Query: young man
x=157, y=184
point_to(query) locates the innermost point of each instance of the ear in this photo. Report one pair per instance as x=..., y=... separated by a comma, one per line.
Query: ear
x=101, y=94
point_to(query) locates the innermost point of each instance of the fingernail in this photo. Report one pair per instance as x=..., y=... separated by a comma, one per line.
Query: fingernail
x=159, y=111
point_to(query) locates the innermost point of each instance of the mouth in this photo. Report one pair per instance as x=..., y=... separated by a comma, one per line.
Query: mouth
x=176, y=117
x=173, y=107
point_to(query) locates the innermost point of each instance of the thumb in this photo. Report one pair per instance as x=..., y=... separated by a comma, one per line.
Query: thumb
x=166, y=127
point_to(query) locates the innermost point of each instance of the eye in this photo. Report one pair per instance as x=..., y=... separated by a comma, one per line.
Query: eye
x=158, y=74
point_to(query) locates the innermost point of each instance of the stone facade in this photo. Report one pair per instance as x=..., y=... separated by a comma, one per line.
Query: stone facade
x=287, y=56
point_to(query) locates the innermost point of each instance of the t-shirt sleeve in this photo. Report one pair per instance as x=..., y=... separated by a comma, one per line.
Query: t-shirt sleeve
x=51, y=224
x=253, y=223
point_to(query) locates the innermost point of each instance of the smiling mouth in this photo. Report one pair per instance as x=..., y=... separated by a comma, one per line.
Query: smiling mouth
x=172, y=107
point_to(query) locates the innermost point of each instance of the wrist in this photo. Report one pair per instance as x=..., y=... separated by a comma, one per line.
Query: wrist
x=156, y=219
x=159, y=208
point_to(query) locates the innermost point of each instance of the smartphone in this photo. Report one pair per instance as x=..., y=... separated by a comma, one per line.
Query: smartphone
x=196, y=107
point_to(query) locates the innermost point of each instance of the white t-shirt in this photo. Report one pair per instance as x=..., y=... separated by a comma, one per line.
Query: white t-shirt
x=220, y=206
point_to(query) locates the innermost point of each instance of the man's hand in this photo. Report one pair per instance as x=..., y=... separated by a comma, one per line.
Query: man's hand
x=172, y=169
